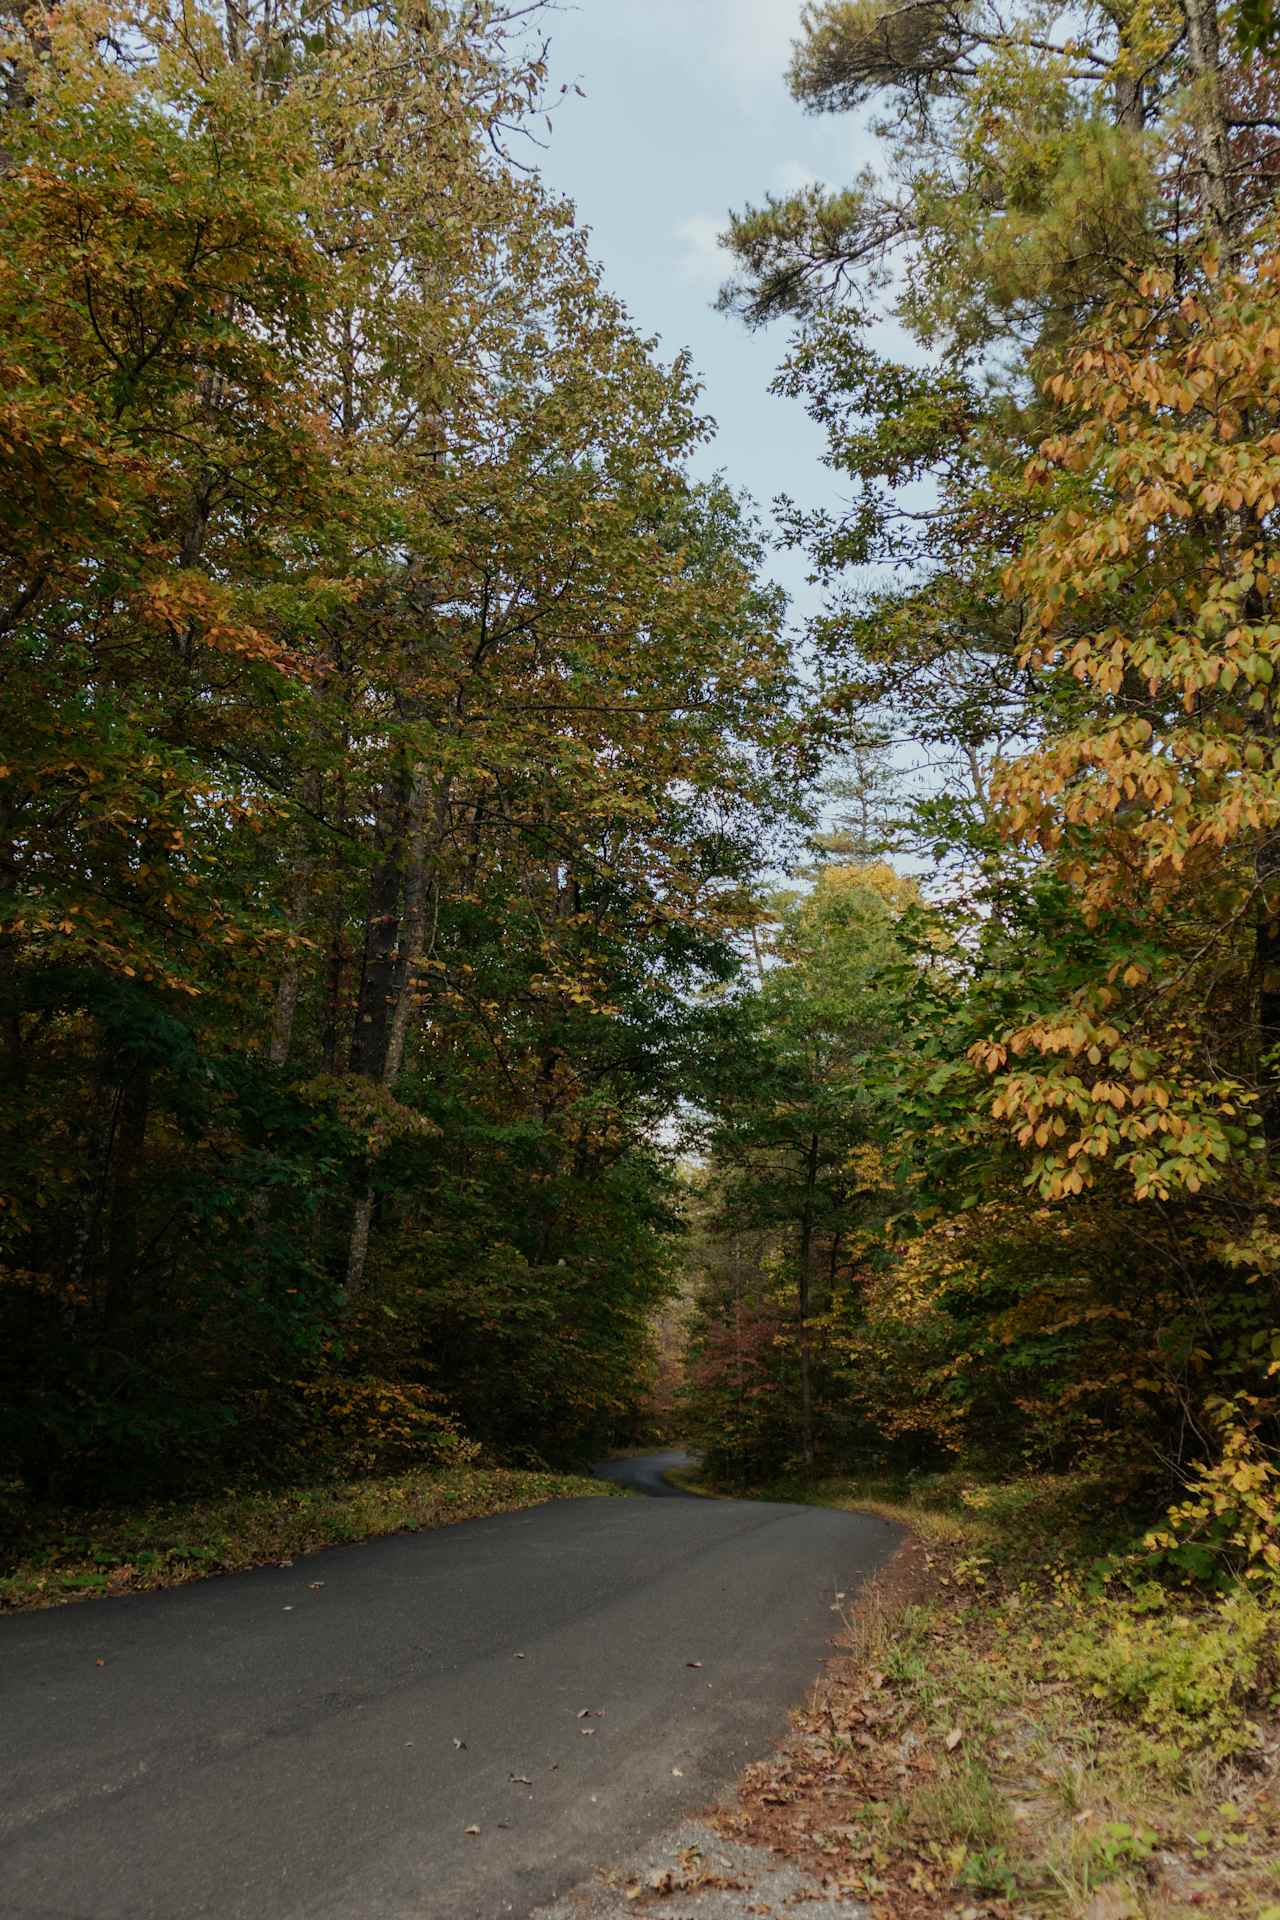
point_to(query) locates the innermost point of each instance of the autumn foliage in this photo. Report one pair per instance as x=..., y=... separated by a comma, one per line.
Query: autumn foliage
x=388, y=729
x=1042, y=1230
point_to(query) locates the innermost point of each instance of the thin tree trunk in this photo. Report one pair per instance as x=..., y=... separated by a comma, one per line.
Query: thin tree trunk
x=413, y=925
x=122, y=1243
x=290, y=986
x=382, y=932
x=91, y=1187
x=335, y=973
x=358, y=1245
x=803, y=1304
x=393, y=943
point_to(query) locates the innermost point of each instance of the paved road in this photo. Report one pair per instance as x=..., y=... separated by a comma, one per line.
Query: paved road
x=312, y=1742
x=646, y=1473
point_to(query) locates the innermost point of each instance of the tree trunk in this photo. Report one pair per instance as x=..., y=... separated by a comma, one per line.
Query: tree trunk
x=1205, y=56
x=393, y=942
x=358, y=1245
x=413, y=926
x=1267, y=964
x=290, y=985
x=803, y=1304
x=370, y=1031
x=122, y=1242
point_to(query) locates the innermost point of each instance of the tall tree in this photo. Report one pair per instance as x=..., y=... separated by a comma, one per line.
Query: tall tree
x=389, y=732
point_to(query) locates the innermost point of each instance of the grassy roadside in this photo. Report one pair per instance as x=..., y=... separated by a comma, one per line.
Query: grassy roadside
x=52, y=1554
x=1015, y=1730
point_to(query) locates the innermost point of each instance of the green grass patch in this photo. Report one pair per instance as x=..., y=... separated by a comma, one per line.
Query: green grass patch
x=53, y=1554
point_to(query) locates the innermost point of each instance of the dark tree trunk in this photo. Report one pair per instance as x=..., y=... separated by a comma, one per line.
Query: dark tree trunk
x=1267, y=963
x=804, y=1292
x=393, y=939
x=126, y=1193
x=382, y=934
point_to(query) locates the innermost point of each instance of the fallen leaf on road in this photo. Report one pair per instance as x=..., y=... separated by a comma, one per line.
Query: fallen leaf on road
x=678, y=1772
x=586, y=1732
x=286, y=1609
x=459, y=1744
x=517, y=1656
x=471, y=1829
x=99, y=1663
x=314, y=1584
x=521, y=1780
x=693, y=1663
x=590, y=1713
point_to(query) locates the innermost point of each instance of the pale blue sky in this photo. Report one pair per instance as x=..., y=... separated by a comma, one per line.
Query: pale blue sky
x=686, y=115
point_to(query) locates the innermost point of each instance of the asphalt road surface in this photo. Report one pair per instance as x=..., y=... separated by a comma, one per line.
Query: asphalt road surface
x=646, y=1473
x=313, y=1742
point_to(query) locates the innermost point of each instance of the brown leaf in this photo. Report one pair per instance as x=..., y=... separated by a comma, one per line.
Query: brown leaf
x=471, y=1830
x=953, y=1739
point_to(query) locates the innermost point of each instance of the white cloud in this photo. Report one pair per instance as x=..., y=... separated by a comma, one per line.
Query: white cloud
x=748, y=41
x=792, y=175
x=701, y=258
x=758, y=36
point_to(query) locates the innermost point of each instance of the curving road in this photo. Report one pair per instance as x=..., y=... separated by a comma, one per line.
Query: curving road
x=312, y=1742
x=647, y=1473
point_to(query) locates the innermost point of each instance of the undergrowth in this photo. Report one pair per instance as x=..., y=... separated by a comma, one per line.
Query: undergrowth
x=1038, y=1727
x=52, y=1553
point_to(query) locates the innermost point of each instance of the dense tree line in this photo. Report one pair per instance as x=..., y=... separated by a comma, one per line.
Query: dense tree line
x=1038, y=1217
x=398, y=753
x=388, y=736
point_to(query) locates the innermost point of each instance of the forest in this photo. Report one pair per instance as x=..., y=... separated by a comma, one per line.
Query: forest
x=481, y=980
x=391, y=731
x=485, y=982
x=999, y=1182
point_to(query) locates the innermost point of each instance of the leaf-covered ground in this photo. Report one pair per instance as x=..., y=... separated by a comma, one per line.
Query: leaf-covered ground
x=54, y=1554
x=1001, y=1739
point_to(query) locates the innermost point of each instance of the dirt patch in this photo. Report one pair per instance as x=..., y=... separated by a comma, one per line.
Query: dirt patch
x=697, y=1873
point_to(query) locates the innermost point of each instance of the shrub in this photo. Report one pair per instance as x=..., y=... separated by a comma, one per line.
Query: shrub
x=1189, y=1683
x=1228, y=1527
x=331, y=1425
